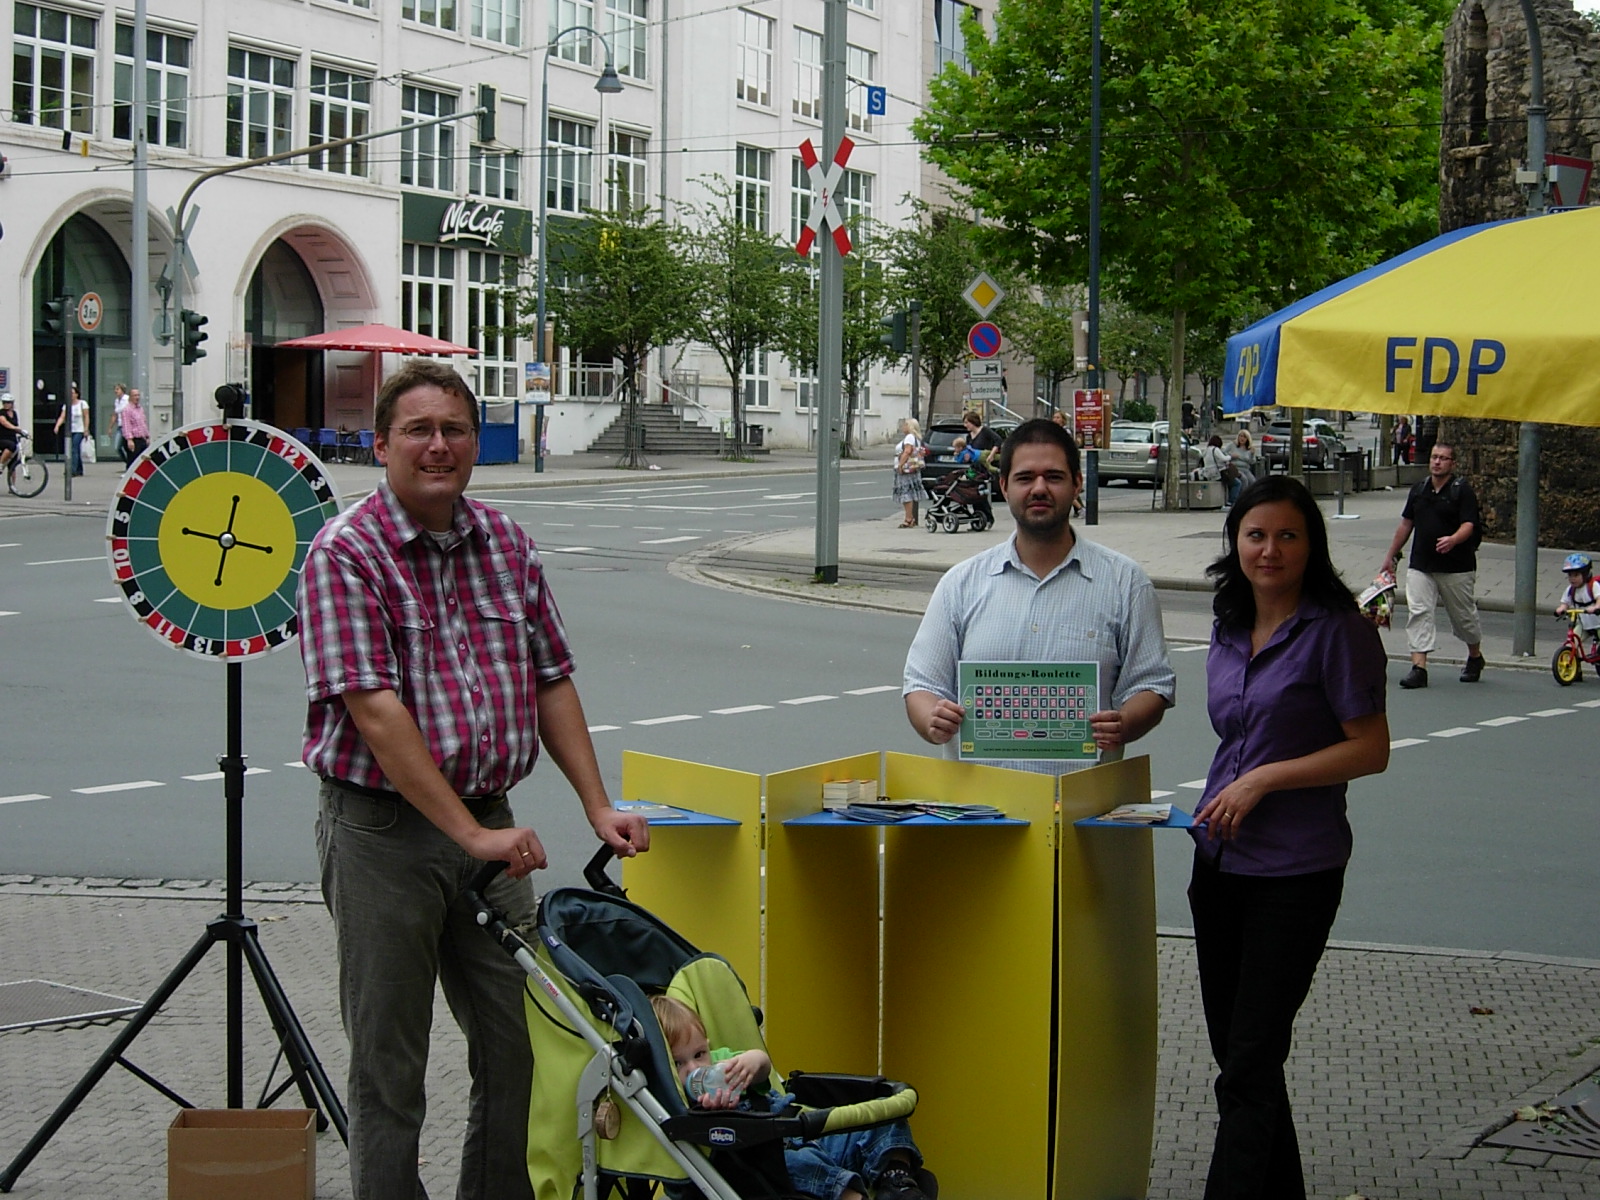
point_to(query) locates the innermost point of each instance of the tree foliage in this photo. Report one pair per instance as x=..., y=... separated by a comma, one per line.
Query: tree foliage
x=746, y=290
x=1039, y=323
x=1252, y=152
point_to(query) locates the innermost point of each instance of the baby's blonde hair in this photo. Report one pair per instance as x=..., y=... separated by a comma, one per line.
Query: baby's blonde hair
x=678, y=1021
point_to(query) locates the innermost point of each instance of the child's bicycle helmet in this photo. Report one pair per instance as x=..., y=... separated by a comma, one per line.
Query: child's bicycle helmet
x=1576, y=562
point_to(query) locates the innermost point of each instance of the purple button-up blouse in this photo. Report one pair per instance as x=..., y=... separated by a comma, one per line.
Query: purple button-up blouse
x=1320, y=669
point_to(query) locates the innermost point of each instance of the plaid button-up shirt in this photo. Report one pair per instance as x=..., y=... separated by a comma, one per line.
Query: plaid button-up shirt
x=460, y=625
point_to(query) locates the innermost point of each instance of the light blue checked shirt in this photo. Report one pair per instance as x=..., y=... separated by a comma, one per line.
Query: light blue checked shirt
x=1097, y=606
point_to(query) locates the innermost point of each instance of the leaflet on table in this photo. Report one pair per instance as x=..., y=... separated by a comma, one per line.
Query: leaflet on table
x=1029, y=710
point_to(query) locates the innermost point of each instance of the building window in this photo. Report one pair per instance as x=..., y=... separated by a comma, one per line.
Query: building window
x=428, y=290
x=754, y=82
x=626, y=181
x=808, y=74
x=950, y=44
x=807, y=392
x=260, y=103
x=569, y=188
x=491, y=329
x=498, y=21
x=752, y=186
x=862, y=68
x=864, y=5
x=495, y=174
x=427, y=155
x=166, y=87
x=439, y=13
x=357, y=3
x=52, y=60
x=341, y=107
x=567, y=14
x=627, y=25
x=757, y=375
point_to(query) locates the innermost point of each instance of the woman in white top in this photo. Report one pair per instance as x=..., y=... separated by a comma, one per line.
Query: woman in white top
x=908, y=487
x=80, y=426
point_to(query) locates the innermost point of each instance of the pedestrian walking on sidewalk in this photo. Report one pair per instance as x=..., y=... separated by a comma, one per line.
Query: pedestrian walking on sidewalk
x=1045, y=595
x=1295, y=691
x=1443, y=510
x=436, y=663
x=908, y=461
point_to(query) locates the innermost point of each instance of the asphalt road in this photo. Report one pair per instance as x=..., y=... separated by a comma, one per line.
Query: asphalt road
x=1484, y=839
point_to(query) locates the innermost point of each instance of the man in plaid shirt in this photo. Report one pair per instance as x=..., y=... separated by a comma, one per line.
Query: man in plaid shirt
x=435, y=663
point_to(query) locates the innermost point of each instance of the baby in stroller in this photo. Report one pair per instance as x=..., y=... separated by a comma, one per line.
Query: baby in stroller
x=835, y=1166
x=962, y=495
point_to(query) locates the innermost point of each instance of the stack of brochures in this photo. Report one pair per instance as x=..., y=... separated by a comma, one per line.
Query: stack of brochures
x=837, y=793
x=651, y=811
x=879, y=811
x=1140, y=814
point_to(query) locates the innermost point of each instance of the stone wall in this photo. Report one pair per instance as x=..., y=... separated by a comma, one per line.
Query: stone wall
x=1484, y=141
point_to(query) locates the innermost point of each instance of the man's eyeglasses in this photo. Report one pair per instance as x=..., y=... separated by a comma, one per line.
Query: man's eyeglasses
x=423, y=432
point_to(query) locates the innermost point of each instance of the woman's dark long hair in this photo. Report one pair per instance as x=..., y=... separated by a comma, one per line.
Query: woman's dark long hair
x=1235, y=602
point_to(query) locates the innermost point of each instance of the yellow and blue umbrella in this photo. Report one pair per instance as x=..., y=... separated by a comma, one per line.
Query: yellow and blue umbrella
x=1487, y=321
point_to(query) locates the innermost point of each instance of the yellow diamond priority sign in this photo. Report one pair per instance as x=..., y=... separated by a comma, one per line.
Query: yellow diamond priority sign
x=983, y=294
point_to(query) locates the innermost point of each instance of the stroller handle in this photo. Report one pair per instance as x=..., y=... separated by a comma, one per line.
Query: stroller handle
x=595, y=873
x=485, y=876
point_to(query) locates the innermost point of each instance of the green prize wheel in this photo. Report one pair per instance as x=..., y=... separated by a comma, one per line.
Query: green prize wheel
x=208, y=532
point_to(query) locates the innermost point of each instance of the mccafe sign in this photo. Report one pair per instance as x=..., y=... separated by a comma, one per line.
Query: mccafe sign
x=444, y=221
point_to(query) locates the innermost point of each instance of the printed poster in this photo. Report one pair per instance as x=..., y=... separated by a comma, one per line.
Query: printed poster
x=1029, y=710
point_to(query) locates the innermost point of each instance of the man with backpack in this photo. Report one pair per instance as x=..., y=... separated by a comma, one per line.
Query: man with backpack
x=1443, y=511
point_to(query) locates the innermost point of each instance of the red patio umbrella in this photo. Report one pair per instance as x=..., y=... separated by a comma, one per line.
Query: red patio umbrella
x=379, y=338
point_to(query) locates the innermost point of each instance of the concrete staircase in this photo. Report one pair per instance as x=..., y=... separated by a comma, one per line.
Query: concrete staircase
x=664, y=433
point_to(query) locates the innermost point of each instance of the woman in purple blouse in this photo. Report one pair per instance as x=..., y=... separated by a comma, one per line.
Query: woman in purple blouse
x=1295, y=691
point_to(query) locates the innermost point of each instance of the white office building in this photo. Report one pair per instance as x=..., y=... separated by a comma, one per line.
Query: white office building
x=415, y=229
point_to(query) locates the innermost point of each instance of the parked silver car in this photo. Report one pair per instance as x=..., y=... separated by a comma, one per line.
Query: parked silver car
x=1320, y=442
x=1137, y=452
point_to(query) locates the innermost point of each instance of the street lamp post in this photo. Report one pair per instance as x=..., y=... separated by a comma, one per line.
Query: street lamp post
x=607, y=85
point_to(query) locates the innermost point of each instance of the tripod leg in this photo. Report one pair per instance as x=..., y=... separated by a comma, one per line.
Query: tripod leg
x=303, y=1061
x=113, y=1052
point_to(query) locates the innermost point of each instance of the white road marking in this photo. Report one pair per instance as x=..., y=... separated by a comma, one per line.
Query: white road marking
x=210, y=775
x=882, y=687
x=669, y=540
x=738, y=531
x=566, y=549
x=1198, y=784
x=1496, y=722
x=695, y=529
x=789, y=496
x=1456, y=731
x=669, y=720
x=108, y=600
x=559, y=524
x=1552, y=712
x=1157, y=793
x=12, y=546
x=132, y=786
x=301, y=765
x=603, y=728
x=6, y=612
x=652, y=528
x=743, y=708
x=807, y=699
x=1589, y=703
x=1188, y=649
x=56, y=562
x=22, y=799
x=1402, y=743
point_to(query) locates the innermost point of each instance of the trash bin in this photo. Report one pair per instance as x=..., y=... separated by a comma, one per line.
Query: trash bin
x=755, y=435
x=1357, y=474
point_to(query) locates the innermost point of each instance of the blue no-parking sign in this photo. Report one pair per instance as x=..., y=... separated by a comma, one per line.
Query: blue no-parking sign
x=983, y=339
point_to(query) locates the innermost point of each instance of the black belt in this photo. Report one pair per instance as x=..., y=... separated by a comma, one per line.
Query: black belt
x=394, y=797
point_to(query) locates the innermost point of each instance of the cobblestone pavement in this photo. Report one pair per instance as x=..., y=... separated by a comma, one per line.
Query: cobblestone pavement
x=1394, y=1077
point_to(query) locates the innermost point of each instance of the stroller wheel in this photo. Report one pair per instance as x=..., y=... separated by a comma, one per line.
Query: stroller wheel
x=951, y=524
x=932, y=522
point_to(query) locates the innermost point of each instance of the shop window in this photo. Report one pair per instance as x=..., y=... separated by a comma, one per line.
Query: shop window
x=428, y=290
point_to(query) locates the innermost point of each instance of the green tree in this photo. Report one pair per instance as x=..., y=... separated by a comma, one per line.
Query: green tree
x=745, y=290
x=1252, y=152
x=1131, y=342
x=934, y=259
x=1039, y=323
x=623, y=288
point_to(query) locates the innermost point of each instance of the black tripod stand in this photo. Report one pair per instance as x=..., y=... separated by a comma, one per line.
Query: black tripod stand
x=239, y=933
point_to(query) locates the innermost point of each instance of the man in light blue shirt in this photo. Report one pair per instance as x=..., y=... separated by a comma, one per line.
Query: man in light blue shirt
x=1044, y=596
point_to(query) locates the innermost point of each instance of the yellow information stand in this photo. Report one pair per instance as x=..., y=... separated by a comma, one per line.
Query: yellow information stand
x=1005, y=969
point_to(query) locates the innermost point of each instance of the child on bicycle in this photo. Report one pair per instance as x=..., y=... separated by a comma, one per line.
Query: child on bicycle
x=10, y=429
x=1582, y=594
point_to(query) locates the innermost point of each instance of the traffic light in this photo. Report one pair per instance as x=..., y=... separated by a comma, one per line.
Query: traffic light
x=54, y=314
x=193, y=335
x=894, y=332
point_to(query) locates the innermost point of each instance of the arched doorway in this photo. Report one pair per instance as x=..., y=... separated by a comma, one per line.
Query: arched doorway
x=282, y=302
x=82, y=257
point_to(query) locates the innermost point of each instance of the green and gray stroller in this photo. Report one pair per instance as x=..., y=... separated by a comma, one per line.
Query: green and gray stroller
x=607, y=1111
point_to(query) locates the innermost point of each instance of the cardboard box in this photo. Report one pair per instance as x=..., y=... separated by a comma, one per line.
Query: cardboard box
x=242, y=1154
